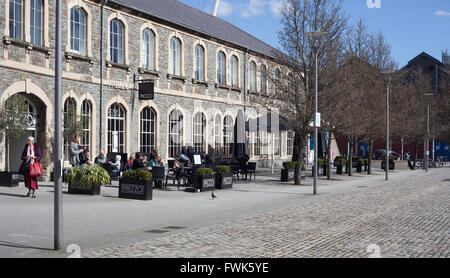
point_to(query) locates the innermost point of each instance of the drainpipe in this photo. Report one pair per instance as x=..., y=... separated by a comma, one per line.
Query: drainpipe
x=101, y=75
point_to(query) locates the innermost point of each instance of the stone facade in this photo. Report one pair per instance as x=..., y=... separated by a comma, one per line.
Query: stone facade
x=29, y=70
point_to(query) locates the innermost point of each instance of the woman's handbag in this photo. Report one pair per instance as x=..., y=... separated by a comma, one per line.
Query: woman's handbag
x=25, y=166
x=36, y=169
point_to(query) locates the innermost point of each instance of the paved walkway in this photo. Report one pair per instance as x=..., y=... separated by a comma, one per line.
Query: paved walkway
x=408, y=218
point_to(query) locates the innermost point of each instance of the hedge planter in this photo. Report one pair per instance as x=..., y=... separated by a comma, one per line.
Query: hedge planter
x=287, y=175
x=136, y=189
x=321, y=171
x=9, y=179
x=205, y=183
x=339, y=169
x=391, y=165
x=76, y=188
x=223, y=181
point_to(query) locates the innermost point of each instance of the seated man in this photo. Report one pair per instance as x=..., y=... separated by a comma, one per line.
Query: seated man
x=101, y=158
x=205, y=158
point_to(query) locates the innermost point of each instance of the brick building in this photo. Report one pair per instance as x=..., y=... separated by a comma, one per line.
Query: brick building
x=198, y=62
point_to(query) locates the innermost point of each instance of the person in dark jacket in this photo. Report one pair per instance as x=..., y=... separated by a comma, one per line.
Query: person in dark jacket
x=137, y=162
x=31, y=152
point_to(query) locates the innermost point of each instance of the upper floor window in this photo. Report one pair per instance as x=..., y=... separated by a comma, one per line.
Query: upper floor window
x=262, y=78
x=234, y=71
x=199, y=62
x=276, y=80
x=36, y=22
x=175, y=55
x=116, y=41
x=221, y=68
x=16, y=19
x=252, y=76
x=148, y=49
x=78, y=30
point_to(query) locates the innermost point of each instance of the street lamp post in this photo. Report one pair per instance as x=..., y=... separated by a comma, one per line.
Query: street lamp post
x=386, y=167
x=315, y=35
x=427, y=152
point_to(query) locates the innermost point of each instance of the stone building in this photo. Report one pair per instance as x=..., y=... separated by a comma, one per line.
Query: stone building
x=199, y=64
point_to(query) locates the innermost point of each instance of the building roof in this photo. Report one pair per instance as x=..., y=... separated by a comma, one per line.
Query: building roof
x=426, y=56
x=188, y=17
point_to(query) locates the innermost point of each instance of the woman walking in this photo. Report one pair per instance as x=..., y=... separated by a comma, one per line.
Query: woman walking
x=33, y=153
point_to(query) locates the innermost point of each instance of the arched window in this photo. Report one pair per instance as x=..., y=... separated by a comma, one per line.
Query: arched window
x=234, y=71
x=199, y=62
x=199, y=132
x=70, y=124
x=36, y=22
x=175, y=56
x=148, y=130
x=262, y=79
x=290, y=142
x=116, y=128
x=16, y=19
x=86, y=122
x=252, y=76
x=78, y=30
x=276, y=81
x=148, y=49
x=291, y=83
x=221, y=68
x=227, y=134
x=217, y=133
x=175, y=133
x=116, y=43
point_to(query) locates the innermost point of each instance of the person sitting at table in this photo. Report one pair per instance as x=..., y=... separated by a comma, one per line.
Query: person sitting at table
x=101, y=158
x=129, y=165
x=137, y=162
x=156, y=162
x=145, y=161
x=205, y=158
x=154, y=154
x=115, y=165
x=183, y=158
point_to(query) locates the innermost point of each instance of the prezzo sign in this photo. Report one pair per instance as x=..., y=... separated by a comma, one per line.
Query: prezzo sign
x=133, y=189
x=208, y=183
x=227, y=180
x=146, y=90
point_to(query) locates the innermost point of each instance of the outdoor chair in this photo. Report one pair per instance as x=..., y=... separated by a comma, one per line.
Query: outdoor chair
x=175, y=176
x=158, y=175
x=107, y=167
x=235, y=170
x=251, y=169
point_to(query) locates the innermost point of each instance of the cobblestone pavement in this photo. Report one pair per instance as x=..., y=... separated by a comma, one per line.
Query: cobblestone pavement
x=404, y=219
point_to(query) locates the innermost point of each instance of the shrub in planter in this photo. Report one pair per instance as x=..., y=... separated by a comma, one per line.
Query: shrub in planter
x=339, y=162
x=136, y=184
x=357, y=163
x=9, y=179
x=224, y=178
x=391, y=163
x=86, y=180
x=288, y=171
x=205, y=179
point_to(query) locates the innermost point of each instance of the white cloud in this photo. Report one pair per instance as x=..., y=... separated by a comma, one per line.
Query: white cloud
x=442, y=13
x=225, y=9
x=275, y=7
x=254, y=7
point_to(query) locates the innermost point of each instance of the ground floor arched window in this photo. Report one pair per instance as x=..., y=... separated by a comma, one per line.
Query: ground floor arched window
x=70, y=125
x=227, y=135
x=86, y=125
x=116, y=128
x=199, y=132
x=175, y=133
x=147, y=131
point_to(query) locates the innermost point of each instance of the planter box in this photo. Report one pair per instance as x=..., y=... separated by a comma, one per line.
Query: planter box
x=287, y=175
x=205, y=183
x=391, y=165
x=339, y=169
x=224, y=181
x=136, y=189
x=9, y=179
x=321, y=171
x=76, y=188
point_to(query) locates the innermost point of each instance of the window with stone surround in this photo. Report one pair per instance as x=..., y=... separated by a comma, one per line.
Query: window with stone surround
x=221, y=68
x=86, y=122
x=78, y=31
x=116, y=128
x=69, y=122
x=234, y=71
x=16, y=19
x=199, y=63
x=36, y=22
x=175, y=133
x=175, y=56
x=262, y=79
x=116, y=42
x=148, y=49
x=218, y=133
x=252, y=76
x=290, y=142
x=147, y=130
x=227, y=135
x=199, y=129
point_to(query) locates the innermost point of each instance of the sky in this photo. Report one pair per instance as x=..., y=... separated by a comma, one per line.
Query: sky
x=409, y=26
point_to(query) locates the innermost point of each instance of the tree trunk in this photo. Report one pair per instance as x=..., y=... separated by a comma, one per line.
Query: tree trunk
x=350, y=168
x=329, y=156
x=369, y=159
x=299, y=143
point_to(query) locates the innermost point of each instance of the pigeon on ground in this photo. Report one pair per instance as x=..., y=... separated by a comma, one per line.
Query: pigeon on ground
x=213, y=195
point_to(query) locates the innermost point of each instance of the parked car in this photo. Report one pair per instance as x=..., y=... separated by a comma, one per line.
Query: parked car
x=379, y=154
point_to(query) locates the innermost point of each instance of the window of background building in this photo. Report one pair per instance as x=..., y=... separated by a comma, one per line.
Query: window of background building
x=276, y=80
x=36, y=22
x=16, y=19
x=86, y=121
x=290, y=143
x=175, y=52
x=227, y=134
x=234, y=71
x=147, y=130
x=221, y=68
x=148, y=49
x=70, y=117
x=199, y=62
x=262, y=78
x=199, y=132
x=78, y=30
x=116, y=128
x=252, y=76
x=218, y=134
x=175, y=133
x=116, y=41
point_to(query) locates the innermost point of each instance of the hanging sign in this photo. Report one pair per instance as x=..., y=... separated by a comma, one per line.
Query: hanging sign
x=146, y=90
